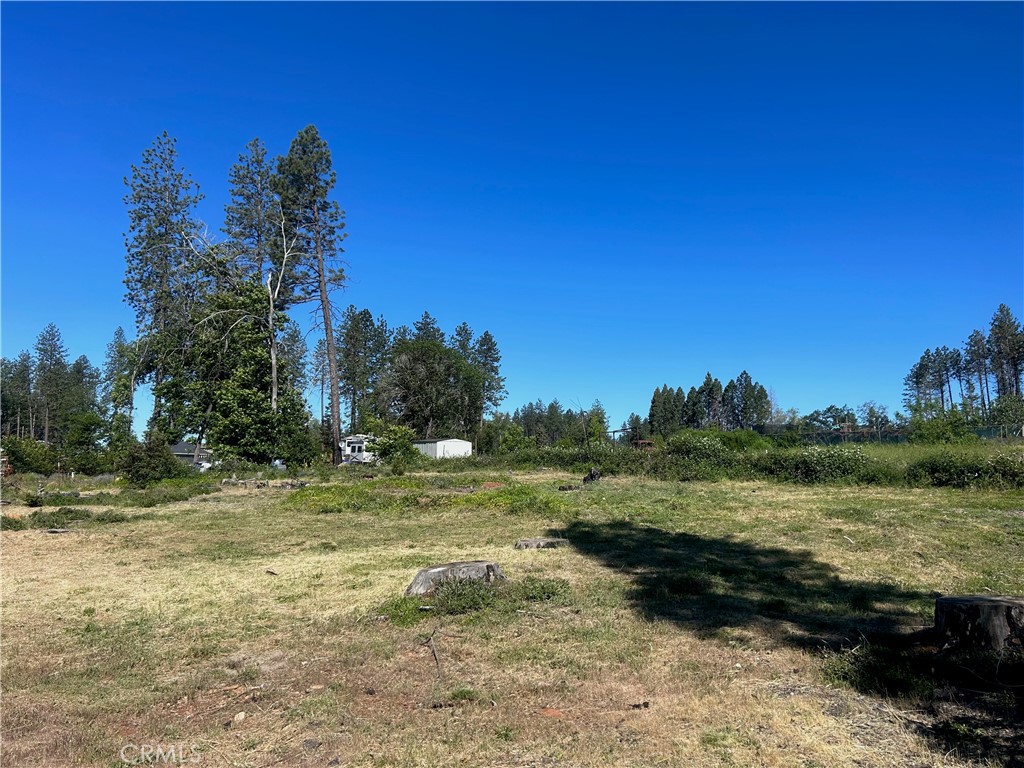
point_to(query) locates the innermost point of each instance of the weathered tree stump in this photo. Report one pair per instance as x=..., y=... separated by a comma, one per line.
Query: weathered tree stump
x=980, y=622
x=541, y=542
x=592, y=476
x=428, y=579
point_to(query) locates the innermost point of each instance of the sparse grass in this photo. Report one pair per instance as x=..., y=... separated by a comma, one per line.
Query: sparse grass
x=684, y=625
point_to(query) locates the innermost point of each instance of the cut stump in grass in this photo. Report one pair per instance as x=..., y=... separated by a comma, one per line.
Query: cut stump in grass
x=428, y=579
x=980, y=622
x=541, y=542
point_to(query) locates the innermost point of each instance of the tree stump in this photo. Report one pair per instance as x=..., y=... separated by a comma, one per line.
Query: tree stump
x=980, y=622
x=428, y=579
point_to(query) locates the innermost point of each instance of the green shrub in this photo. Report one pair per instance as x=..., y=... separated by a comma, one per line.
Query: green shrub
x=26, y=455
x=394, y=446
x=744, y=440
x=698, y=456
x=946, y=468
x=465, y=596
x=813, y=464
x=143, y=464
x=8, y=523
x=1006, y=469
x=456, y=596
x=57, y=518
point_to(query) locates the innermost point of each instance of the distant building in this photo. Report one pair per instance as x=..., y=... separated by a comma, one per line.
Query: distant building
x=353, y=449
x=187, y=452
x=444, y=449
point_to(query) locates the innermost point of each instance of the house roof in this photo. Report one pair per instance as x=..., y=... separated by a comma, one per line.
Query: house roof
x=441, y=440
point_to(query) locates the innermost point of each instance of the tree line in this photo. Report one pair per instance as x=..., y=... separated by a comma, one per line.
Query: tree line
x=214, y=338
x=979, y=381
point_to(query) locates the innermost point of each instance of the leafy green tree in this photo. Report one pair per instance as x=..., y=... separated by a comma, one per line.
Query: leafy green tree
x=304, y=181
x=931, y=425
x=834, y=417
x=260, y=247
x=431, y=389
x=122, y=368
x=393, y=444
x=874, y=416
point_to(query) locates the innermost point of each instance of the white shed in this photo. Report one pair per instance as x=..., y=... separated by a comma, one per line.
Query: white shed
x=444, y=449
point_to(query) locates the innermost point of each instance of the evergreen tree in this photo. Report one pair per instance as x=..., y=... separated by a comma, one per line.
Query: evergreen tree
x=362, y=361
x=427, y=329
x=159, y=247
x=1006, y=350
x=51, y=380
x=486, y=358
x=431, y=389
x=976, y=357
x=17, y=413
x=304, y=181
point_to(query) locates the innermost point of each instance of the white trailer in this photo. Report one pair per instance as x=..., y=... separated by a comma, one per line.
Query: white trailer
x=444, y=449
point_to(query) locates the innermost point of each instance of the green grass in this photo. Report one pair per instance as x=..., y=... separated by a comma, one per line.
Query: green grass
x=699, y=598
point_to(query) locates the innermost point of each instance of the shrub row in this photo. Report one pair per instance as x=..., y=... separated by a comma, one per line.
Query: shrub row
x=710, y=456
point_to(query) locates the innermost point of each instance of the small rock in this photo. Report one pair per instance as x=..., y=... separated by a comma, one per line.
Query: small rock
x=271, y=571
x=541, y=542
x=239, y=718
x=311, y=745
x=370, y=691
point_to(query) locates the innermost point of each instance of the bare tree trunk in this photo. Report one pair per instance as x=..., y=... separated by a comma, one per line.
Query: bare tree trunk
x=273, y=345
x=202, y=433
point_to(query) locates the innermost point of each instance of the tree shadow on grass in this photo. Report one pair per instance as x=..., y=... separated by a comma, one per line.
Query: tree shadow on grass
x=709, y=585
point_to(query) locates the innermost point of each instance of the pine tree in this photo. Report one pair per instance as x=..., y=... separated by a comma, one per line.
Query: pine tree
x=304, y=181
x=159, y=250
x=51, y=379
x=427, y=329
x=1006, y=349
x=362, y=361
x=486, y=358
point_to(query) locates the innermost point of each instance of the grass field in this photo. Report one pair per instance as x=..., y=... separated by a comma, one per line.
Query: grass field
x=686, y=624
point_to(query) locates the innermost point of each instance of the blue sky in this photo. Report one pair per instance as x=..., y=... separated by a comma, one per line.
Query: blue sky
x=625, y=195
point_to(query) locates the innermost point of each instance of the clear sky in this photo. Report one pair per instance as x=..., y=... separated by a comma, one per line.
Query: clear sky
x=625, y=195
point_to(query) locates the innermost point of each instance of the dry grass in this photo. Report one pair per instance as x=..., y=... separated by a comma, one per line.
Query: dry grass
x=692, y=636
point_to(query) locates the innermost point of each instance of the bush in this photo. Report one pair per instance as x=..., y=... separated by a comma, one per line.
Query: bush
x=26, y=455
x=814, y=464
x=459, y=597
x=946, y=468
x=8, y=523
x=744, y=440
x=699, y=456
x=143, y=464
x=394, y=447
x=57, y=518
